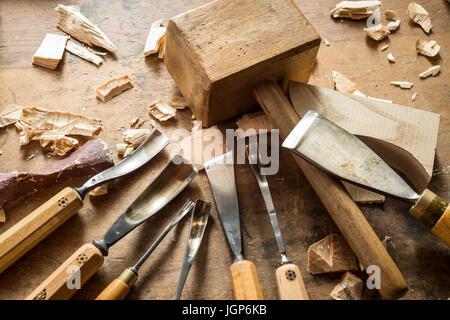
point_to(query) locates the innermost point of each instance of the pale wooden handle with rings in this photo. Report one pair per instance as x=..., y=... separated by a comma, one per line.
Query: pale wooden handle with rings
x=245, y=281
x=290, y=283
x=36, y=226
x=70, y=276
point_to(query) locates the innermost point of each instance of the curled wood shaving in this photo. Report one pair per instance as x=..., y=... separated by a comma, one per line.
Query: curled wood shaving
x=162, y=111
x=113, y=88
x=51, y=51
x=349, y=288
x=378, y=32
x=355, y=9
x=429, y=48
x=71, y=21
x=419, y=15
x=156, y=39
x=432, y=71
x=402, y=84
x=84, y=53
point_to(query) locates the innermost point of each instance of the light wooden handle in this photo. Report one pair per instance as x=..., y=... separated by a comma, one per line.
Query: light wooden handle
x=70, y=276
x=36, y=226
x=290, y=283
x=245, y=281
x=119, y=288
x=442, y=227
x=348, y=217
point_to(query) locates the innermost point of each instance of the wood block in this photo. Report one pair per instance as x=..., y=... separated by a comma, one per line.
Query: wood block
x=218, y=52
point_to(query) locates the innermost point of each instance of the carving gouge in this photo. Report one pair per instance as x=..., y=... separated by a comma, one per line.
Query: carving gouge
x=119, y=288
x=36, y=226
x=199, y=219
x=65, y=281
x=289, y=278
x=220, y=172
x=345, y=156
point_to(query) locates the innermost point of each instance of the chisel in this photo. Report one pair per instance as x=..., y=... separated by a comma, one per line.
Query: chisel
x=289, y=278
x=221, y=176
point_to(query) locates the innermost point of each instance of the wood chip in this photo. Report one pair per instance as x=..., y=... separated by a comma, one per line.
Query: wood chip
x=393, y=25
x=402, y=84
x=162, y=48
x=349, y=288
x=52, y=128
x=135, y=137
x=428, y=48
x=414, y=96
x=155, y=39
x=356, y=10
x=71, y=21
x=121, y=147
x=162, y=111
x=391, y=58
x=326, y=42
x=385, y=241
x=113, y=88
x=432, y=71
x=390, y=15
x=2, y=215
x=10, y=115
x=99, y=191
x=331, y=254
x=83, y=52
x=378, y=32
x=51, y=51
x=128, y=151
x=384, y=47
x=178, y=102
x=419, y=15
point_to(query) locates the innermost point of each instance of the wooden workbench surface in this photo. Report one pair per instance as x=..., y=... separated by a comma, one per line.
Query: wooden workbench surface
x=422, y=258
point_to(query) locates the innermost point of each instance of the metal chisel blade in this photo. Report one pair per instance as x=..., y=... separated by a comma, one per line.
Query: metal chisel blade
x=220, y=172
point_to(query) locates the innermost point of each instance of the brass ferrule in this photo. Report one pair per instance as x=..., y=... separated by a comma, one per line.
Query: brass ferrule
x=128, y=277
x=429, y=208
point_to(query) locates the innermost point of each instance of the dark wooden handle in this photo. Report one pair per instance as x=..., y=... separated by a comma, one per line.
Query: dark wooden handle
x=345, y=213
x=290, y=283
x=245, y=281
x=70, y=276
x=36, y=226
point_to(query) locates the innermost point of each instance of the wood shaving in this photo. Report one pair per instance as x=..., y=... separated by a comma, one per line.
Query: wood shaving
x=390, y=15
x=51, y=51
x=349, y=288
x=402, y=84
x=414, y=96
x=391, y=58
x=71, y=21
x=385, y=241
x=428, y=48
x=384, y=47
x=393, y=25
x=162, y=111
x=356, y=10
x=113, y=88
x=128, y=151
x=326, y=42
x=378, y=32
x=10, y=115
x=52, y=128
x=99, y=191
x=432, y=71
x=419, y=15
x=155, y=39
x=178, y=102
x=84, y=53
x=135, y=137
x=121, y=147
x=331, y=254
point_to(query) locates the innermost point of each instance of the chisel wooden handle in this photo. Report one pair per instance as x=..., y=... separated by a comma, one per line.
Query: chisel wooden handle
x=70, y=276
x=348, y=217
x=119, y=288
x=435, y=212
x=290, y=283
x=36, y=226
x=245, y=281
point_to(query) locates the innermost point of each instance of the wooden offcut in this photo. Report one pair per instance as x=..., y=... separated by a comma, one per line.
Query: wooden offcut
x=218, y=52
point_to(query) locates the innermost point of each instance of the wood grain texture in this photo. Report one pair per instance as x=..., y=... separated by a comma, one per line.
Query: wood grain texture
x=116, y=290
x=79, y=268
x=423, y=259
x=345, y=213
x=245, y=281
x=442, y=227
x=218, y=52
x=36, y=226
x=290, y=283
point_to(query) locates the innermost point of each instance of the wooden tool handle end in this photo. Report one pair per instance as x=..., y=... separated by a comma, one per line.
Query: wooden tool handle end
x=245, y=281
x=290, y=283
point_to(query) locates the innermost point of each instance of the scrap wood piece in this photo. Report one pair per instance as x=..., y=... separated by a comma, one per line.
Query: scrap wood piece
x=84, y=53
x=113, y=88
x=356, y=10
x=429, y=48
x=432, y=71
x=252, y=123
x=162, y=111
x=419, y=15
x=155, y=39
x=202, y=145
x=378, y=32
x=90, y=159
x=402, y=84
x=74, y=23
x=349, y=288
x=52, y=128
x=51, y=51
x=331, y=254
x=10, y=115
x=178, y=102
x=404, y=137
